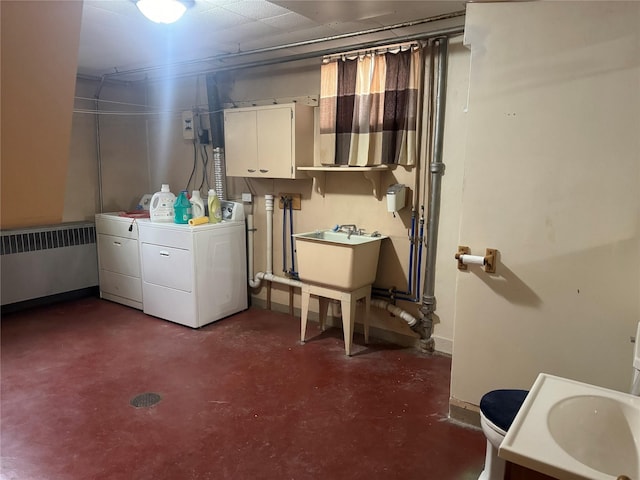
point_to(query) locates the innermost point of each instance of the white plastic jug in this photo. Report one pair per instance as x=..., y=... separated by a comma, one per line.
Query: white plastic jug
x=197, y=204
x=161, y=206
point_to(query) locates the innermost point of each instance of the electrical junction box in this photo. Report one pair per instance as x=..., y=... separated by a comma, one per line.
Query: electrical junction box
x=396, y=196
x=188, y=127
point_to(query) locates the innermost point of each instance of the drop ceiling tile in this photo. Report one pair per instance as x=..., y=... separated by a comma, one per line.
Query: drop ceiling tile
x=114, y=34
x=290, y=22
x=247, y=32
x=221, y=18
x=256, y=9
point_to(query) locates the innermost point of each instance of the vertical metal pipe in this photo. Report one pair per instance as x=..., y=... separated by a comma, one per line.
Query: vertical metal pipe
x=98, y=154
x=216, y=119
x=294, y=273
x=436, y=169
x=412, y=241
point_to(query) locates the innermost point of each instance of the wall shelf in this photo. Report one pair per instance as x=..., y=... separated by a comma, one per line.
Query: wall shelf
x=371, y=173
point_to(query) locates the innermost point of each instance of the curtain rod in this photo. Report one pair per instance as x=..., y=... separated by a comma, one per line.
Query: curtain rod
x=371, y=50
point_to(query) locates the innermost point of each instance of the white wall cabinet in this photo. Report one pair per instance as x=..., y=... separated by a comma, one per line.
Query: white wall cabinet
x=268, y=141
x=119, y=259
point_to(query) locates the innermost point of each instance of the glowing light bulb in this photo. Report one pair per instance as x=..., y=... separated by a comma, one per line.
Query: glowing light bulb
x=162, y=11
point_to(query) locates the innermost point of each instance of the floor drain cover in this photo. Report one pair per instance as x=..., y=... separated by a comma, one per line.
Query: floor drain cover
x=145, y=400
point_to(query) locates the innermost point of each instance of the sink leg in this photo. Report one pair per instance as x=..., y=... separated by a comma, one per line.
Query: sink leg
x=367, y=309
x=304, y=304
x=323, y=308
x=348, y=319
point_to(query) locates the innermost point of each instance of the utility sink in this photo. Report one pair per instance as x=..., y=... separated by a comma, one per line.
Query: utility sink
x=573, y=430
x=337, y=259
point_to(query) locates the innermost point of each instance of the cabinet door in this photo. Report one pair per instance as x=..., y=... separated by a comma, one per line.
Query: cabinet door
x=274, y=134
x=241, y=143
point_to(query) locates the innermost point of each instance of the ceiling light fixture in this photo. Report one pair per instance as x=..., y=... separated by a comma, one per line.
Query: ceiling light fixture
x=162, y=11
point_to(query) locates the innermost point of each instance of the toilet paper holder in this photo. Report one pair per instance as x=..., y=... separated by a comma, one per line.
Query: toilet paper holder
x=465, y=258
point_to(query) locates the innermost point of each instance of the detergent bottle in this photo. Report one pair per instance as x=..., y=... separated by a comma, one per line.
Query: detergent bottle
x=161, y=205
x=182, y=208
x=215, y=211
x=197, y=204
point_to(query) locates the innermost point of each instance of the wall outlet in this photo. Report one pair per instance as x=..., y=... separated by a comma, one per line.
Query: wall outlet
x=188, y=127
x=246, y=198
x=295, y=198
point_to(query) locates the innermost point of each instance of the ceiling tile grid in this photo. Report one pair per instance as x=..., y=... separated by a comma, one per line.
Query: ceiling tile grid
x=116, y=36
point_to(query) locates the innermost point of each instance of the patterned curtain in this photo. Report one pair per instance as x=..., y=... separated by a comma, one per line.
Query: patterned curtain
x=369, y=108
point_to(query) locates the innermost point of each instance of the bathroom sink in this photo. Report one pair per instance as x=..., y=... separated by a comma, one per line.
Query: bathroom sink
x=573, y=430
x=607, y=422
x=337, y=259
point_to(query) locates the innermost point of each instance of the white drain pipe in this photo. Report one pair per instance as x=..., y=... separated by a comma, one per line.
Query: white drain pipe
x=254, y=282
x=397, y=311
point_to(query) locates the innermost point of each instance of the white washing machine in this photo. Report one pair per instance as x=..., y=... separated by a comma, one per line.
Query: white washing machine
x=194, y=275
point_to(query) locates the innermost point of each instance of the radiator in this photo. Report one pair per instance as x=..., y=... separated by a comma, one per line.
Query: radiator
x=38, y=262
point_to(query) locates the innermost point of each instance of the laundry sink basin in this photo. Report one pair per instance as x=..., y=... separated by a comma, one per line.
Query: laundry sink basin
x=568, y=429
x=337, y=259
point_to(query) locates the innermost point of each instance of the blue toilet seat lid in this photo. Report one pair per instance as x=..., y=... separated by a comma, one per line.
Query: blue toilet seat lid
x=500, y=407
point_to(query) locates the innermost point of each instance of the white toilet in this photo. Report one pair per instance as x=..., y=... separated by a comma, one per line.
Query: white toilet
x=498, y=408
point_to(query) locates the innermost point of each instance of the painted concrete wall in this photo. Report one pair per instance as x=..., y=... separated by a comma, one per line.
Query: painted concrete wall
x=348, y=197
x=123, y=150
x=551, y=177
x=139, y=153
x=38, y=81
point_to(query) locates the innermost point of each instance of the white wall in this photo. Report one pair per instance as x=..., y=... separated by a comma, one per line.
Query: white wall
x=37, y=85
x=348, y=197
x=453, y=156
x=551, y=180
x=123, y=152
x=171, y=157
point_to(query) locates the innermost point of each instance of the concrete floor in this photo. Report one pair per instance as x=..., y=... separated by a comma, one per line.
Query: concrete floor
x=240, y=399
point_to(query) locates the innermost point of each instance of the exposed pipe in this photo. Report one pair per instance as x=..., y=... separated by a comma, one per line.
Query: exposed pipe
x=285, y=205
x=216, y=118
x=412, y=242
x=250, y=232
x=413, y=290
x=254, y=282
x=419, y=261
x=436, y=168
x=98, y=153
x=268, y=205
x=294, y=272
x=226, y=57
x=397, y=311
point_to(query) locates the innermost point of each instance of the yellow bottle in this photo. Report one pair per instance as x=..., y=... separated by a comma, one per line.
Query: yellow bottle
x=215, y=211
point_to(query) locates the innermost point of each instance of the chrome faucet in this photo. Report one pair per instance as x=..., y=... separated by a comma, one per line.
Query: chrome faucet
x=350, y=229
